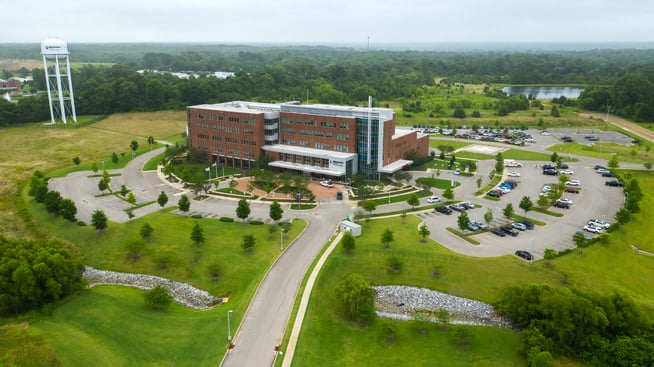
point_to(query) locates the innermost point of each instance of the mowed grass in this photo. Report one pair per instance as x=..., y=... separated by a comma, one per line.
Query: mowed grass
x=633, y=154
x=601, y=268
x=110, y=326
x=172, y=239
x=26, y=149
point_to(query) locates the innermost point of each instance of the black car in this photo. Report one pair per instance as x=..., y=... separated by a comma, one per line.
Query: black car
x=599, y=167
x=527, y=224
x=550, y=172
x=567, y=139
x=548, y=166
x=524, y=255
x=443, y=209
x=608, y=174
x=508, y=230
x=498, y=232
x=564, y=166
x=614, y=183
x=512, y=183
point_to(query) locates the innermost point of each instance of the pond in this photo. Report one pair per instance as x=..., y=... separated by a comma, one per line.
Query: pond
x=543, y=92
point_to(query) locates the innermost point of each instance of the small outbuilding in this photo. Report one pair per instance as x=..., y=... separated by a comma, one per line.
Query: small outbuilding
x=352, y=227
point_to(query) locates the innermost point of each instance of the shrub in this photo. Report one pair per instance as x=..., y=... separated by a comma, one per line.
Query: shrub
x=81, y=223
x=256, y=222
x=158, y=298
x=196, y=216
x=226, y=219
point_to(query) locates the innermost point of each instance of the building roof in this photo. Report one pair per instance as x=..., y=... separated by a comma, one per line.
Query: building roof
x=308, y=152
x=306, y=168
x=383, y=114
x=239, y=106
x=395, y=166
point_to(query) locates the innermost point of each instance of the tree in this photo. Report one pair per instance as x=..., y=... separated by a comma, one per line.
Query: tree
x=248, y=242
x=99, y=220
x=356, y=298
x=215, y=271
x=623, y=216
x=403, y=216
x=106, y=177
x=184, y=204
x=387, y=238
x=508, y=211
x=348, y=242
x=499, y=163
x=52, y=201
x=134, y=248
x=197, y=235
x=243, y=209
x=394, y=263
x=369, y=206
x=448, y=193
x=543, y=201
x=413, y=201
x=554, y=157
x=555, y=112
x=123, y=190
x=613, y=163
x=35, y=273
x=131, y=198
x=134, y=145
x=526, y=204
x=158, y=298
x=443, y=317
x=549, y=254
x=102, y=185
x=463, y=221
x=276, y=211
x=77, y=161
x=488, y=216
x=94, y=167
x=114, y=158
x=146, y=231
x=162, y=199
x=479, y=181
x=424, y=232
x=580, y=240
x=463, y=336
x=151, y=140
x=68, y=210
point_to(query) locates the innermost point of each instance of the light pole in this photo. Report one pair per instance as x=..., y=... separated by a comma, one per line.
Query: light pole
x=229, y=328
x=281, y=239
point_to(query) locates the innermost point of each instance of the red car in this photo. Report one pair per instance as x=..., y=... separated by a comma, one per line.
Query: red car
x=572, y=190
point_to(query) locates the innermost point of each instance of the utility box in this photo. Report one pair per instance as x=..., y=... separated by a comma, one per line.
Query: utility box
x=351, y=227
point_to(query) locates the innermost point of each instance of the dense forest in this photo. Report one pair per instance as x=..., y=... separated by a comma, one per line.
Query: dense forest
x=621, y=78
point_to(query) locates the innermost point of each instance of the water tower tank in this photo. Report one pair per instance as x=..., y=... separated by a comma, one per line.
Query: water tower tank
x=53, y=46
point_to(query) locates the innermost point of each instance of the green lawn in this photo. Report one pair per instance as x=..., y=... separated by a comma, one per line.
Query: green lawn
x=110, y=326
x=605, y=151
x=438, y=183
x=599, y=268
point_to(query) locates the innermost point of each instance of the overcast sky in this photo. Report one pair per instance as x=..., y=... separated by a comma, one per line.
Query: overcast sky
x=328, y=21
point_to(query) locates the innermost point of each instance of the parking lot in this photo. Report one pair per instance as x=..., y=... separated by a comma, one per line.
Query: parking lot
x=594, y=200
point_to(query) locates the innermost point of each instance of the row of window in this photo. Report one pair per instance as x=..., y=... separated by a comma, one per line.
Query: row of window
x=341, y=148
x=341, y=125
x=229, y=129
x=247, y=121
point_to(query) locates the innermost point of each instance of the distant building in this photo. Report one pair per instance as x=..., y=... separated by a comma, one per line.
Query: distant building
x=11, y=86
x=320, y=140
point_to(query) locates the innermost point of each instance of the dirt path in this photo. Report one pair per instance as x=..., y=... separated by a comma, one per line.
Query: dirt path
x=629, y=126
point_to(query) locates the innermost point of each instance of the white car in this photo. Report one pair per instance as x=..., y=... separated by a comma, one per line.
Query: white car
x=505, y=190
x=593, y=229
x=433, y=199
x=567, y=172
x=514, y=174
x=326, y=183
x=598, y=223
x=573, y=183
x=547, y=188
x=546, y=133
x=565, y=201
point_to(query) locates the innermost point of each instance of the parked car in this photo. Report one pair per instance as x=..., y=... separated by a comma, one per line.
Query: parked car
x=546, y=133
x=602, y=171
x=498, y=232
x=339, y=195
x=565, y=201
x=593, y=229
x=567, y=172
x=573, y=183
x=524, y=255
x=561, y=205
x=614, y=183
x=608, y=174
x=547, y=188
x=598, y=223
x=494, y=193
x=548, y=166
x=326, y=183
x=457, y=207
x=513, y=183
x=443, y=209
x=527, y=224
x=514, y=174
x=433, y=199
x=468, y=205
x=572, y=190
x=511, y=231
x=457, y=171
x=479, y=224
x=550, y=172
x=564, y=166
x=473, y=227
x=598, y=167
x=567, y=139
x=519, y=226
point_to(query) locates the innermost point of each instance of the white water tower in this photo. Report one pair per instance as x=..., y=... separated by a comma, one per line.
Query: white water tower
x=57, y=67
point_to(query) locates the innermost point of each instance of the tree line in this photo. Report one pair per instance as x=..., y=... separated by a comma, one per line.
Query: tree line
x=331, y=75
